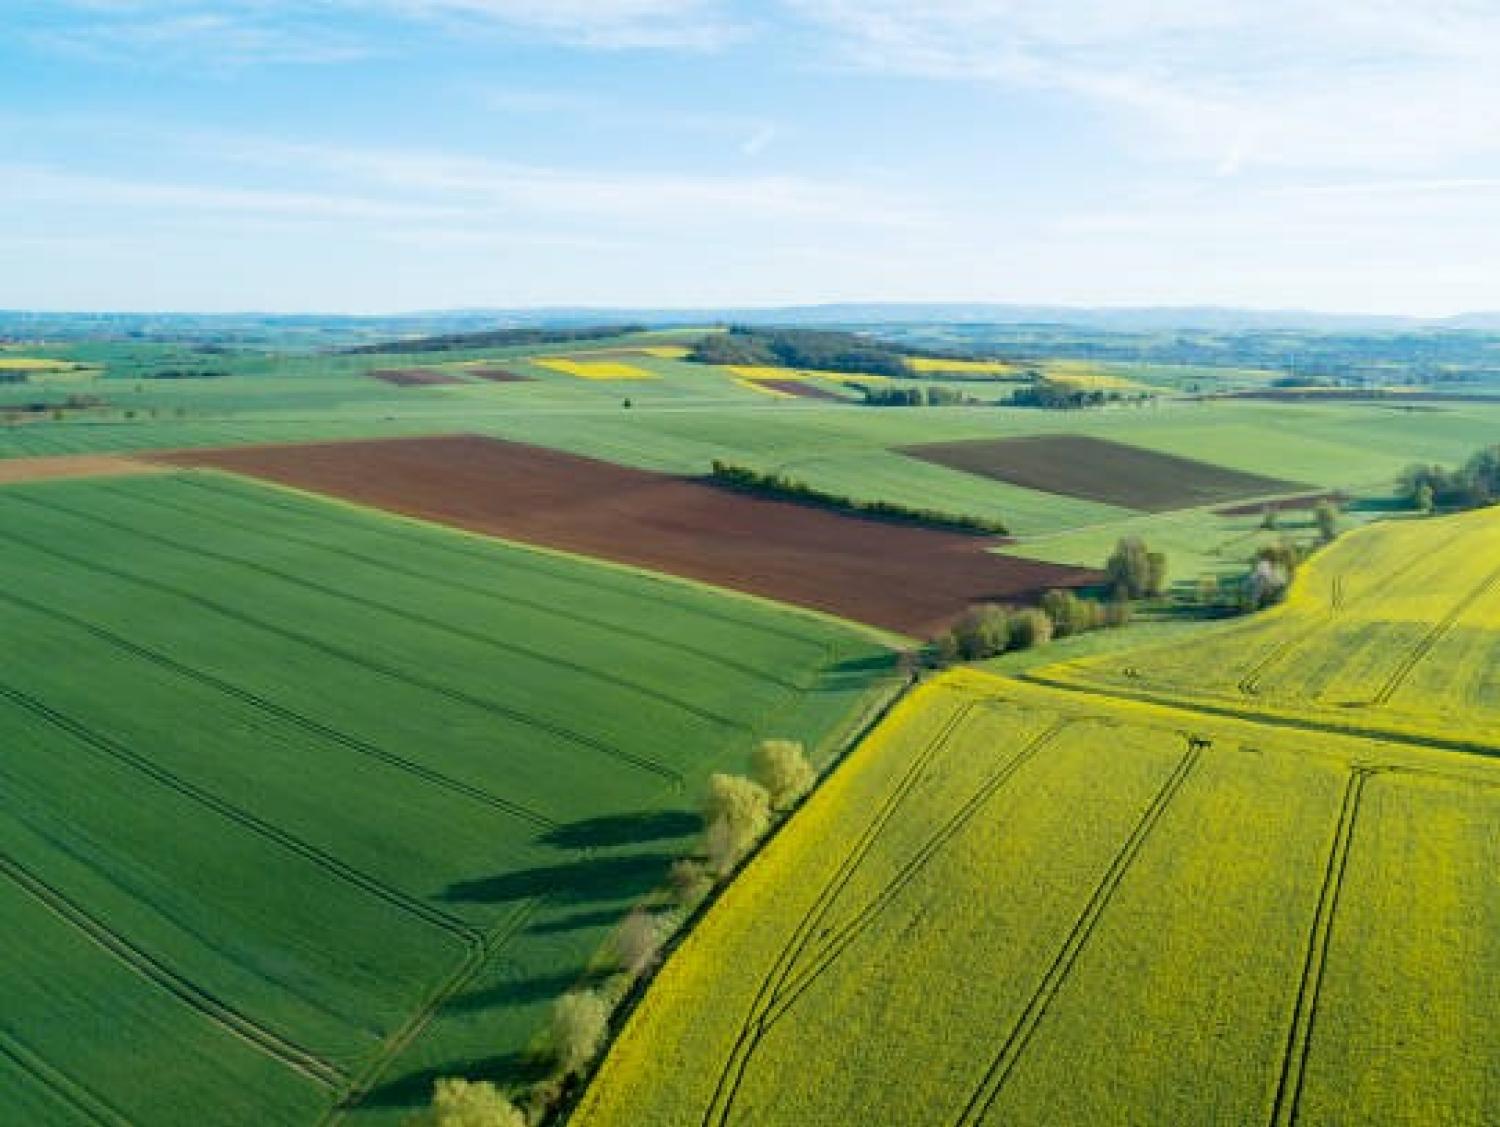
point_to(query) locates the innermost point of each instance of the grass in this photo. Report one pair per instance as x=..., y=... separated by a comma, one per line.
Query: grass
x=1020, y=905
x=1394, y=629
x=301, y=803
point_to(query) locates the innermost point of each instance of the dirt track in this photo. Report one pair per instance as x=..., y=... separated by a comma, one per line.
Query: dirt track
x=907, y=579
x=16, y=470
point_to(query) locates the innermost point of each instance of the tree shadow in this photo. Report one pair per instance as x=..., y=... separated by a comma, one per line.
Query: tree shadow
x=414, y=1089
x=595, y=879
x=524, y=991
x=578, y=920
x=623, y=829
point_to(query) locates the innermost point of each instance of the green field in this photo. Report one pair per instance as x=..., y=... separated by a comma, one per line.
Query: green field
x=302, y=804
x=1017, y=905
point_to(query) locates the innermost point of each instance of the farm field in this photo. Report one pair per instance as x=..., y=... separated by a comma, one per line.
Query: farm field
x=302, y=805
x=908, y=579
x=1020, y=905
x=1394, y=629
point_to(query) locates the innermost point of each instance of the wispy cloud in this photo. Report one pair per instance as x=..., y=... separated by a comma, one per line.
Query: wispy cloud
x=1276, y=83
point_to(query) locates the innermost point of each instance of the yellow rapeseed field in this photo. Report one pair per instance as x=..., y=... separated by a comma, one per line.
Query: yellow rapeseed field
x=594, y=369
x=974, y=367
x=34, y=364
x=1021, y=905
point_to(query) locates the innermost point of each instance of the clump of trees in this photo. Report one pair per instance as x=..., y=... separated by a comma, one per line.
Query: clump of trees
x=468, y=1103
x=918, y=397
x=1059, y=395
x=781, y=767
x=990, y=630
x=1475, y=483
x=801, y=348
x=783, y=487
x=1135, y=571
x=1326, y=517
x=580, y=1020
x=736, y=814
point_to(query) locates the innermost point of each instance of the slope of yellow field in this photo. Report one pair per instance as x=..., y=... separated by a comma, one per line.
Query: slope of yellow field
x=34, y=364
x=1019, y=905
x=594, y=369
x=971, y=367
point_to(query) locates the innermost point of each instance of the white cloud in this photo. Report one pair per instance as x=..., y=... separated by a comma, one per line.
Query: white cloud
x=1237, y=84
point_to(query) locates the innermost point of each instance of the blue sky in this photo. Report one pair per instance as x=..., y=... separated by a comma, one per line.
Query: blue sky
x=372, y=155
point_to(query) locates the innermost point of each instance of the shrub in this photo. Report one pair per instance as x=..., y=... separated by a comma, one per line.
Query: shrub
x=782, y=768
x=1030, y=628
x=1326, y=516
x=689, y=882
x=468, y=1103
x=579, y=1021
x=736, y=813
x=639, y=941
x=1134, y=571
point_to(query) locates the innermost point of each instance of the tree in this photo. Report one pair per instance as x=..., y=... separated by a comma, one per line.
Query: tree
x=1327, y=517
x=689, y=881
x=736, y=813
x=782, y=768
x=639, y=941
x=579, y=1021
x=1030, y=628
x=1156, y=573
x=1423, y=498
x=1135, y=571
x=1071, y=614
x=469, y=1103
x=984, y=631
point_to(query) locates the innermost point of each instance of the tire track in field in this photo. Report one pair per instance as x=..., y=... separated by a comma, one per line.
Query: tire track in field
x=60, y=1084
x=578, y=739
x=1004, y=1061
x=459, y=547
x=732, y=1071
x=1249, y=684
x=825, y=957
x=1293, y=1073
x=505, y=598
x=464, y=932
x=270, y=707
x=425, y=621
x=1429, y=641
x=222, y=1013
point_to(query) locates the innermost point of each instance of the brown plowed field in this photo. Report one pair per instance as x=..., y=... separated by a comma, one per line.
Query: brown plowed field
x=498, y=375
x=1099, y=470
x=413, y=377
x=15, y=470
x=801, y=390
x=903, y=578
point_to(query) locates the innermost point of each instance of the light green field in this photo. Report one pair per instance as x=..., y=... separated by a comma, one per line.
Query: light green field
x=303, y=805
x=1022, y=906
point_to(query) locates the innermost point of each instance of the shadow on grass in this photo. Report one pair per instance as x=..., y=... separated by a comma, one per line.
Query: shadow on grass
x=524, y=991
x=624, y=829
x=604, y=880
x=414, y=1089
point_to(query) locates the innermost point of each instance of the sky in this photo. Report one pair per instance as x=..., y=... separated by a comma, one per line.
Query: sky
x=392, y=155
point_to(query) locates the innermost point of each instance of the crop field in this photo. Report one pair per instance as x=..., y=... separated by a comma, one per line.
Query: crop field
x=1395, y=629
x=1101, y=470
x=594, y=369
x=414, y=377
x=302, y=805
x=1017, y=905
x=897, y=576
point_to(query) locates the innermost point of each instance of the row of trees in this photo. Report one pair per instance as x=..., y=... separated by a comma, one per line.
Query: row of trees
x=935, y=396
x=738, y=811
x=1475, y=483
x=1058, y=395
x=801, y=348
x=772, y=484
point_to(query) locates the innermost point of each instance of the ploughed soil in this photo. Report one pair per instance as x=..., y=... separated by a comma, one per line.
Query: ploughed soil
x=412, y=377
x=904, y=578
x=1097, y=469
x=801, y=390
x=16, y=470
x=498, y=375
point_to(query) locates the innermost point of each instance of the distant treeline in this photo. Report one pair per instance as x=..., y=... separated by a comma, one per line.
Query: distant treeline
x=802, y=348
x=918, y=397
x=1475, y=483
x=496, y=338
x=13, y=376
x=184, y=374
x=748, y=480
x=1056, y=395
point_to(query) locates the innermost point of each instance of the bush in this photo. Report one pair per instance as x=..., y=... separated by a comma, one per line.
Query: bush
x=1136, y=572
x=1030, y=628
x=736, y=813
x=1326, y=516
x=782, y=768
x=468, y=1103
x=580, y=1020
x=639, y=941
x=689, y=882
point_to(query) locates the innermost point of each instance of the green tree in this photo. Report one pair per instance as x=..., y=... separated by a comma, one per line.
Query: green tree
x=781, y=767
x=639, y=940
x=580, y=1020
x=1129, y=568
x=736, y=814
x=1423, y=499
x=1030, y=628
x=468, y=1103
x=1326, y=515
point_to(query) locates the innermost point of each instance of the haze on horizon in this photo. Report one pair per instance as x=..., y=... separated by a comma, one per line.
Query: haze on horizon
x=393, y=155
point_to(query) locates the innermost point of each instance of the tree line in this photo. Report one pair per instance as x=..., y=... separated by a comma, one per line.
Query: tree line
x=1476, y=483
x=819, y=349
x=782, y=487
x=935, y=396
x=494, y=338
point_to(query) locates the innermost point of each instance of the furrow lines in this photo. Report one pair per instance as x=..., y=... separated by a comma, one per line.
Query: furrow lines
x=578, y=739
x=1293, y=1073
x=332, y=592
x=70, y=1091
x=221, y=1012
x=1077, y=938
x=732, y=1072
x=281, y=712
x=1430, y=640
x=373, y=885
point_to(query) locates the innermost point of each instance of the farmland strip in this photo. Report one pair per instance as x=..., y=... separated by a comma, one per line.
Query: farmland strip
x=307, y=724
x=363, y=661
x=1299, y=1036
x=147, y=966
x=1020, y=1036
x=397, y=612
x=67, y=1089
x=1434, y=635
x=732, y=1072
x=103, y=744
